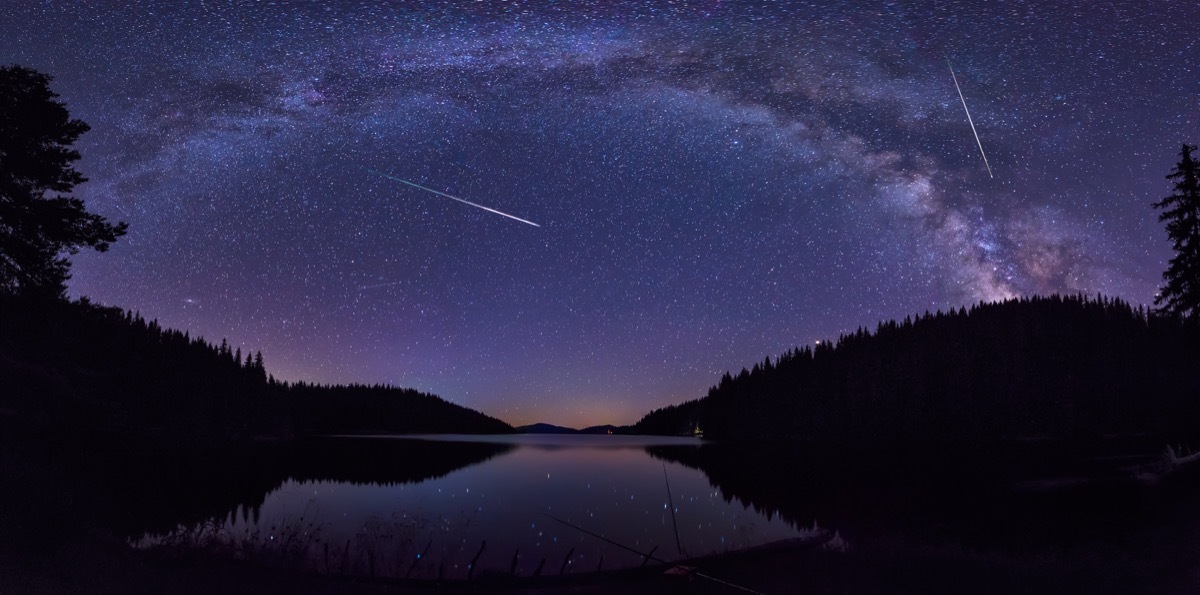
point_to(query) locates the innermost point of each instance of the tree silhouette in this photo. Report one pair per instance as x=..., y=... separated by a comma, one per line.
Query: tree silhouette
x=39, y=222
x=1180, y=296
x=90, y=369
x=1068, y=369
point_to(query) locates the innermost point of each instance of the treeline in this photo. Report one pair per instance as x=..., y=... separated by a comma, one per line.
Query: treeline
x=86, y=367
x=103, y=369
x=1068, y=368
x=360, y=409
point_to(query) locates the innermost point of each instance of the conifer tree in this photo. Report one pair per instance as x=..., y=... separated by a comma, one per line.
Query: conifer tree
x=39, y=220
x=1180, y=295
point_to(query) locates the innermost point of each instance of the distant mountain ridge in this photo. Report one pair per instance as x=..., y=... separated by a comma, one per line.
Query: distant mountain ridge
x=545, y=428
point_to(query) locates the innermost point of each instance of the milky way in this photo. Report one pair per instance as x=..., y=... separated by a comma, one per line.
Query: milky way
x=715, y=182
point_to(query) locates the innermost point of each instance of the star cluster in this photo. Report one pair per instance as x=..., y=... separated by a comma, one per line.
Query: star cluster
x=714, y=181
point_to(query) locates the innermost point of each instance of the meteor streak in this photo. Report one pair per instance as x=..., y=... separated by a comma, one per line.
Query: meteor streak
x=972, y=122
x=378, y=285
x=451, y=197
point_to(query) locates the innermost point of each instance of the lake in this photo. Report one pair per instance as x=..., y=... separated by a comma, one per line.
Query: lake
x=462, y=506
x=426, y=506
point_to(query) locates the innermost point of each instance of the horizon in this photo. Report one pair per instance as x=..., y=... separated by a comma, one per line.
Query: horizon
x=710, y=185
x=1148, y=308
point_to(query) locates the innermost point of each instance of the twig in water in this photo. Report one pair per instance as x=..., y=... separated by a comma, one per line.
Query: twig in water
x=563, y=569
x=649, y=556
x=471, y=568
x=419, y=556
x=671, y=501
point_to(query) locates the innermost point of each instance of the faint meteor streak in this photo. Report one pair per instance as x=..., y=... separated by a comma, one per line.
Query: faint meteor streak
x=490, y=210
x=972, y=122
x=378, y=285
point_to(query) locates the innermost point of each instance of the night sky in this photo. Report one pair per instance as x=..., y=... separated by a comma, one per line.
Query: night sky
x=712, y=182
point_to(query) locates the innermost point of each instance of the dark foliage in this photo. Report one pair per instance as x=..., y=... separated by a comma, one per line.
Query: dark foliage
x=360, y=409
x=39, y=222
x=605, y=429
x=1048, y=367
x=101, y=370
x=1180, y=296
x=672, y=420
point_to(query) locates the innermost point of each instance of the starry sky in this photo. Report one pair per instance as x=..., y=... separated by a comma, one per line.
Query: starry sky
x=713, y=182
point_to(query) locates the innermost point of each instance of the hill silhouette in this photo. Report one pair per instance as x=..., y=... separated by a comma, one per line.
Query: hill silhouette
x=545, y=428
x=380, y=409
x=1058, y=368
x=87, y=368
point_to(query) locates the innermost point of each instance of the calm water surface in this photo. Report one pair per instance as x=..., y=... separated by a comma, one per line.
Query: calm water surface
x=429, y=506
x=501, y=494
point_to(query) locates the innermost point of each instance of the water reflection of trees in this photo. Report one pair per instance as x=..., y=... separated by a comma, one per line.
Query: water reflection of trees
x=159, y=491
x=777, y=483
x=919, y=493
x=386, y=461
x=846, y=489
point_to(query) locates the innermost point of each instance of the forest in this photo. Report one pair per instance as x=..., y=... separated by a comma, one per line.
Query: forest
x=77, y=366
x=378, y=409
x=1065, y=368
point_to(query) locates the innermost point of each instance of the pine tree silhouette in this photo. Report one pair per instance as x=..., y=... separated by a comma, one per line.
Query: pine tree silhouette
x=39, y=221
x=1180, y=296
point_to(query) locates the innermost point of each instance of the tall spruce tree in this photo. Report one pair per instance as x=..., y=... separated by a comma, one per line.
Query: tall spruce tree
x=1180, y=295
x=39, y=221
